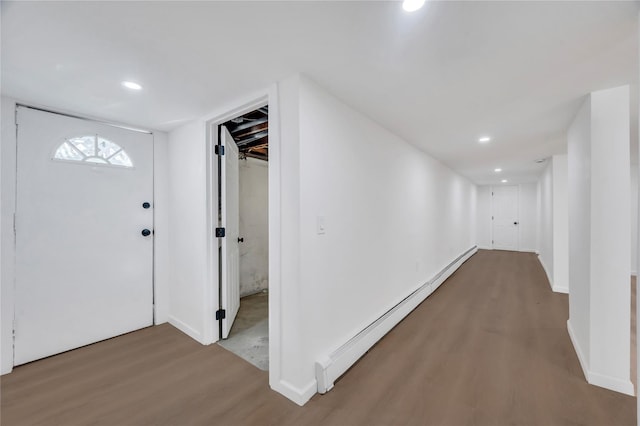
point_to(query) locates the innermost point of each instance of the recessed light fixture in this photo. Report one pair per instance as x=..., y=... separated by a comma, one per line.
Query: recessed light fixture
x=131, y=85
x=412, y=5
x=504, y=181
x=540, y=160
x=484, y=139
x=497, y=170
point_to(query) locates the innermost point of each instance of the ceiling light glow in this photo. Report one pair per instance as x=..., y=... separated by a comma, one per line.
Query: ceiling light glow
x=484, y=139
x=131, y=85
x=498, y=170
x=504, y=181
x=412, y=5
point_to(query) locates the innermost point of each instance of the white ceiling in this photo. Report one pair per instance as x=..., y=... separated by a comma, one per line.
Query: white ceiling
x=440, y=78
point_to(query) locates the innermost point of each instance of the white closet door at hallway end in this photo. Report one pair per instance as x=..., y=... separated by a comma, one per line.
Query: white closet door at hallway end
x=505, y=217
x=83, y=265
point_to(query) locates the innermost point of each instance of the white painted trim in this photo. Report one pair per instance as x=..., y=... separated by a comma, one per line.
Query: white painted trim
x=484, y=248
x=596, y=379
x=275, y=235
x=634, y=273
x=211, y=123
x=334, y=364
x=526, y=250
x=295, y=394
x=268, y=96
x=546, y=271
x=611, y=383
x=554, y=288
x=185, y=328
x=576, y=346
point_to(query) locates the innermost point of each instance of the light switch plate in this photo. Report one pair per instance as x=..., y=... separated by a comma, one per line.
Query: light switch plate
x=320, y=225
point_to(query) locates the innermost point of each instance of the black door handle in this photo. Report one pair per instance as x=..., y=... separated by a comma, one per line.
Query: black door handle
x=146, y=205
x=145, y=232
x=515, y=223
x=241, y=240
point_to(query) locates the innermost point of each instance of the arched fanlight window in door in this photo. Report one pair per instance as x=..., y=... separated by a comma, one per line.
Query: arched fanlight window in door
x=92, y=149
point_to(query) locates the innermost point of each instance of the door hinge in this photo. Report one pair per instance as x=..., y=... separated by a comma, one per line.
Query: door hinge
x=491, y=241
x=491, y=217
x=492, y=193
x=221, y=314
x=220, y=232
x=219, y=149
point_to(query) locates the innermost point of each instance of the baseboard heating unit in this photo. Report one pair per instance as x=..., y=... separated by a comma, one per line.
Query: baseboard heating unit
x=336, y=363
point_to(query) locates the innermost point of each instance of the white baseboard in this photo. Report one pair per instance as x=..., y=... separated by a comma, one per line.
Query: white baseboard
x=576, y=347
x=597, y=379
x=554, y=288
x=295, y=394
x=484, y=248
x=612, y=383
x=546, y=271
x=6, y=369
x=527, y=250
x=634, y=273
x=333, y=364
x=186, y=329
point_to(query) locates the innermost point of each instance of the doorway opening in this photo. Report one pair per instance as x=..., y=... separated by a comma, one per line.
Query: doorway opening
x=243, y=213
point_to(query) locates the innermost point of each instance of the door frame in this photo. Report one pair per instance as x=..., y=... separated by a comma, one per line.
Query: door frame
x=493, y=188
x=9, y=149
x=268, y=97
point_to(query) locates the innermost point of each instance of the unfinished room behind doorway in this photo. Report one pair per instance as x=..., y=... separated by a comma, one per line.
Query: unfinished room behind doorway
x=249, y=335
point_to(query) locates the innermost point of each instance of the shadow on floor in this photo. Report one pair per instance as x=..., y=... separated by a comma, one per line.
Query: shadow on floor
x=249, y=336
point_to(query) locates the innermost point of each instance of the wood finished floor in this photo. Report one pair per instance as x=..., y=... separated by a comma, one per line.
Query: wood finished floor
x=490, y=347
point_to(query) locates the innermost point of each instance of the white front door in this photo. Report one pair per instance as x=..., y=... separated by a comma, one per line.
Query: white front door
x=84, y=241
x=230, y=198
x=505, y=218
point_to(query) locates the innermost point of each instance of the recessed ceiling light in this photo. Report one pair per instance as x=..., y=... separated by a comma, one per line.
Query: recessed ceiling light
x=412, y=5
x=498, y=170
x=131, y=85
x=504, y=181
x=484, y=139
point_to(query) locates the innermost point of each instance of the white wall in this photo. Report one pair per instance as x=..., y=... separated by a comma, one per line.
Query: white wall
x=7, y=207
x=188, y=224
x=254, y=226
x=579, y=191
x=161, y=261
x=554, y=223
x=483, y=217
x=560, y=224
x=393, y=218
x=599, y=232
x=545, y=250
x=527, y=216
x=610, y=232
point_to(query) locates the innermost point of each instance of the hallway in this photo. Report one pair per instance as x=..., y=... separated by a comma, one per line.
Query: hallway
x=489, y=347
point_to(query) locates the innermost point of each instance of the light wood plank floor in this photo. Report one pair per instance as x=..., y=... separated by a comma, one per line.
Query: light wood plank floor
x=490, y=347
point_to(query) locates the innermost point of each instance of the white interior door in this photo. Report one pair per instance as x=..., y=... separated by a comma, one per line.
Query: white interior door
x=83, y=267
x=505, y=218
x=231, y=222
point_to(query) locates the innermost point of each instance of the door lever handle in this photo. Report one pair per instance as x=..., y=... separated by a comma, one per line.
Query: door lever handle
x=241, y=240
x=515, y=223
